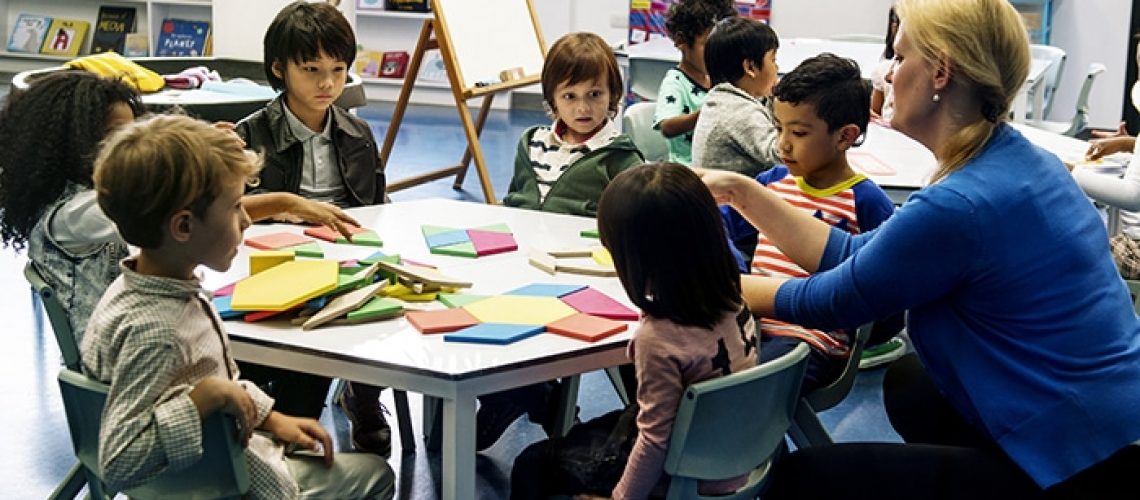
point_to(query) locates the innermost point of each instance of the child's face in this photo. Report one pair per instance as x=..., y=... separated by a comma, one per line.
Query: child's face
x=583, y=106
x=758, y=81
x=312, y=86
x=120, y=114
x=694, y=53
x=215, y=238
x=805, y=145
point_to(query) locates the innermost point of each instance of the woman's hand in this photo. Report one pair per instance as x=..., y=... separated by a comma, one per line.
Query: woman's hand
x=303, y=432
x=724, y=185
x=1100, y=148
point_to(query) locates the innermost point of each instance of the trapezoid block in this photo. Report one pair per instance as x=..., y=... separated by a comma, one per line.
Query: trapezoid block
x=490, y=242
x=285, y=286
x=277, y=241
x=586, y=327
x=265, y=259
x=591, y=301
x=519, y=310
x=442, y=320
x=331, y=235
x=493, y=333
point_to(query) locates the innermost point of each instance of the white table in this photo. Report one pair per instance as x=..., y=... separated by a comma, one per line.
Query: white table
x=393, y=353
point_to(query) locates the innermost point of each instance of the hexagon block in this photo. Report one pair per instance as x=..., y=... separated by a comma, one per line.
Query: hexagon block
x=520, y=310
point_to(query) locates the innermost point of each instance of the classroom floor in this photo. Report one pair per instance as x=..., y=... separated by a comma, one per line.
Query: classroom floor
x=39, y=452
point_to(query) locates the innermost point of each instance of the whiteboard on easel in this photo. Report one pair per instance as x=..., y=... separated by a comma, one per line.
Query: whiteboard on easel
x=490, y=36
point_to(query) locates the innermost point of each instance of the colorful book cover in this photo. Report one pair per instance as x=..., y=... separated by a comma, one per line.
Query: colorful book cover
x=370, y=5
x=111, y=28
x=647, y=17
x=182, y=38
x=65, y=37
x=368, y=63
x=28, y=33
x=394, y=64
x=136, y=45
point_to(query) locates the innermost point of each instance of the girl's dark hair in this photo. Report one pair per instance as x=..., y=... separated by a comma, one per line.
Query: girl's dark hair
x=49, y=136
x=688, y=19
x=667, y=238
x=833, y=85
x=735, y=40
x=892, y=31
x=301, y=32
x=579, y=57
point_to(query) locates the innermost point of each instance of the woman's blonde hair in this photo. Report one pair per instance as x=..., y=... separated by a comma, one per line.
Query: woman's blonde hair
x=152, y=168
x=988, y=48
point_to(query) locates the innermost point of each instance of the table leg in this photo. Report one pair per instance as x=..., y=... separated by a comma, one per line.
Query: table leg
x=433, y=423
x=459, y=448
x=567, y=405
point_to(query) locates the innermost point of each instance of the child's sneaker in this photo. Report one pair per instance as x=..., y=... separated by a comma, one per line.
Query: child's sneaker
x=883, y=353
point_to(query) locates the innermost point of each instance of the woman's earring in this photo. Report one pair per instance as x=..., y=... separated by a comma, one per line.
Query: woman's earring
x=937, y=97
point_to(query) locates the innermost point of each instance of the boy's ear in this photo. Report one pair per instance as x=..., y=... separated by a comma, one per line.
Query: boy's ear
x=278, y=69
x=848, y=135
x=750, y=68
x=180, y=225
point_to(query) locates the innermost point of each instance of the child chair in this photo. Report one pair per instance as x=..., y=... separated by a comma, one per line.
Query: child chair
x=221, y=472
x=806, y=429
x=637, y=123
x=711, y=441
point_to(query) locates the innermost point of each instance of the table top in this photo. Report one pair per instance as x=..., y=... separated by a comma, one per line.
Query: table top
x=395, y=344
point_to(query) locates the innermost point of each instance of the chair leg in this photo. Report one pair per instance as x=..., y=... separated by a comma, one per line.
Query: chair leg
x=404, y=421
x=806, y=429
x=338, y=389
x=71, y=485
x=616, y=380
x=433, y=423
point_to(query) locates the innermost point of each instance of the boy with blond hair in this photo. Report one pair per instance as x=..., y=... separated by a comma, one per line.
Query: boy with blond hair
x=173, y=186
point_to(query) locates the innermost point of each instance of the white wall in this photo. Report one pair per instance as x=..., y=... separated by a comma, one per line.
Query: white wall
x=1092, y=31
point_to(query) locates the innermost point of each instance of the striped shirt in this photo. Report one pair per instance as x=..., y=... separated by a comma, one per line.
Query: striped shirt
x=152, y=339
x=854, y=205
x=550, y=154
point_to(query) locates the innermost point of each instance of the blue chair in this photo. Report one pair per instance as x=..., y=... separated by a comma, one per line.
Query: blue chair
x=702, y=449
x=221, y=473
x=806, y=429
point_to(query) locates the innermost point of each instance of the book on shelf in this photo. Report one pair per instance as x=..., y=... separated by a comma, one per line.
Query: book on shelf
x=394, y=64
x=369, y=4
x=408, y=5
x=28, y=33
x=368, y=63
x=111, y=28
x=65, y=37
x=182, y=38
x=136, y=45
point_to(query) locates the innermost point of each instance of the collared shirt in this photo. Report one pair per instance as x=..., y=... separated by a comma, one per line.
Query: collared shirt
x=550, y=154
x=320, y=175
x=153, y=339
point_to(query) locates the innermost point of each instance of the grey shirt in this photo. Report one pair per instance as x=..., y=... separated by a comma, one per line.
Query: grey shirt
x=320, y=175
x=736, y=131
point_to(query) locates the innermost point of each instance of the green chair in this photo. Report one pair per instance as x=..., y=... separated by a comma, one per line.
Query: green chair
x=734, y=425
x=221, y=473
x=806, y=429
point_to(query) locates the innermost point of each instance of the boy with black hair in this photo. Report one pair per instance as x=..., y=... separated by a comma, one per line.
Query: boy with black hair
x=820, y=111
x=157, y=340
x=683, y=88
x=322, y=152
x=736, y=130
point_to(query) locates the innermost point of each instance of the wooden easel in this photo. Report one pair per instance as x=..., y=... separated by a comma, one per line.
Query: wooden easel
x=434, y=35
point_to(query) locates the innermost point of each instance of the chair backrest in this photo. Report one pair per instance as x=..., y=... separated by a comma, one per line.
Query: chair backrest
x=834, y=393
x=702, y=448
x=637, y=123
x=1081, y=118
x=1056, y=56
x=57, y=316
x=645, y=75
x=221, y=472
x=859, y=37
x=353, y=94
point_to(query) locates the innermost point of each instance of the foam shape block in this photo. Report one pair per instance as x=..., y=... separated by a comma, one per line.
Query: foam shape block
x=589, y=233
x=546, y=290
x=428, y=230
x=519, y=310
x=572, y=252
x=586, y=268
x=366, y=238
x=318, y=303
x=285, y=286
x=591, y=301
x=331, y=235
x=256, y=316
x=311, y=250
x=459, y=299
x=423, y=275
x=265, y=259
x=442, y=320
x=378, y=307
x=276, y=241
x=490, y=242
x=465, y=249
x=222, y=305
x=493, y=333
x=602, y=257
x=495, y=228
x=448, y=238
x=225, y=291
x=586, y=327
x=543, y=261
x=378, y=256
x=342, y=305
x=415, y=263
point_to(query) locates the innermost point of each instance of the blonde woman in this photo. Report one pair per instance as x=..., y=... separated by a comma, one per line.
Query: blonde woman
x=1026, y=377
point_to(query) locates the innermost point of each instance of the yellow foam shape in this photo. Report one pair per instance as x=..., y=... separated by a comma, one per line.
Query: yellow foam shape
x=396, y=290
x=602, y=257
x=419, y=297
x=285, y=285
x=520, y=310
x=265, y=259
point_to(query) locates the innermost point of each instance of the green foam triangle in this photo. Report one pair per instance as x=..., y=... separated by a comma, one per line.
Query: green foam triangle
x=589, y=233
x=466, y=249
x=312, y=250
x=380, y=257
x=496, y=228
x=429, y=230
x=378, y=306
x=367, y=238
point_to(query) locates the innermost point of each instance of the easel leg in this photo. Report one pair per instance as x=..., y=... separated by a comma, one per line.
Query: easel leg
x=422, y=45
x=475, y=149
x=484, y=110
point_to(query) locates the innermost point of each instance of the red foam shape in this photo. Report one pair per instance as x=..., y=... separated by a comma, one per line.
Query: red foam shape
x=256, y=316
x=591, y=301
x=490, y=242
x=275, y=241
x=441, y=321
x=586, y=327
x=330, y=235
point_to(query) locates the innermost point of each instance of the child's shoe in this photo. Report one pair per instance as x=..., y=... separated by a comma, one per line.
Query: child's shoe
x=370, y=431
x=883, y=353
